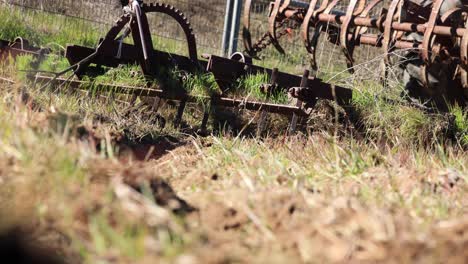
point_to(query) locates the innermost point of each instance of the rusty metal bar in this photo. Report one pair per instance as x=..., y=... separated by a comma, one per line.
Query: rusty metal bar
x=129, y=55
x=226, y=71
x=378, y=23
x=151, y=92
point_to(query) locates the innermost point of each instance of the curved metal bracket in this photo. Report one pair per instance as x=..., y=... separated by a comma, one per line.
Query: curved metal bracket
x=309, y=20
x=428, y=40
x=389, y=36
x=240, y=57
x=464, y=60
x=346, y=44
x=246, y=35
x=365, y=13
x=284, y=6
x=272, y=26
x=318, y=30
x=388, y=39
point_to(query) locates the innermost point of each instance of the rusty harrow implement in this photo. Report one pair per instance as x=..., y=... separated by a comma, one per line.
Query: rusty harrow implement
x=444, y=40
x=437, y=32
x=112, y=51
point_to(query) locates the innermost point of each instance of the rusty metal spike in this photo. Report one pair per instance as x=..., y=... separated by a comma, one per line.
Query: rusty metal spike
x=246, y=35
x=272, y=28
x=295, y=118
x=361, y=7
x=365, y=14
x=180, y=113
x=263, y=114
x=348, y=45
x=309, y=19
x=427, y=41
x=388, y=38
x=318, y=30
x=388, y=30
x=284, y=5
x=464, y=60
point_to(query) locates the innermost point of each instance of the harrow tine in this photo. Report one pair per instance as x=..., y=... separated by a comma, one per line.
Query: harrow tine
x=246, y=35
x=206, y=117
x=445, y=17
x=264, y=114
x=365, y=14
x=309, y=19
x=299, y=103
x=180, y=113
x=346, y=44
x=318, y=31
x=23, y=43
x=360, y=9
x=272, y=21
x=427, y=43
x=464, y=60
x=156, y=104
x=284, y=5
x=389, y=36
x=322, y=8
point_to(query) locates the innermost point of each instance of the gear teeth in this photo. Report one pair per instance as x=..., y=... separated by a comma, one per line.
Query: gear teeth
x=179, y=16
x=158, y=7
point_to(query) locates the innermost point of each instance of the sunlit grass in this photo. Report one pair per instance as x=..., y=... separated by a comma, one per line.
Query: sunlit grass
x=38, y=29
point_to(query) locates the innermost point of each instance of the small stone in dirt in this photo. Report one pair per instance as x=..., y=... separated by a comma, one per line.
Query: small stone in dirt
x=230, y=212
x=292, y=209
x=215, y=177
x=163, y=195
x=314, y=190
x=282, y=179
x=450, y=178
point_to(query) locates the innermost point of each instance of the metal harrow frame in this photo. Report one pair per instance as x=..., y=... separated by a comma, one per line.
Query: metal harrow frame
x=112, y=51
x=447, y=42
x=444, y=35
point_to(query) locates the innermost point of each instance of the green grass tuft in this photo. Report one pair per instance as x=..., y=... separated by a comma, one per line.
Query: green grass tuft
x=399, y=122
x=461, y=124
x=202, y=84
x=250, y=87
x=122, y=75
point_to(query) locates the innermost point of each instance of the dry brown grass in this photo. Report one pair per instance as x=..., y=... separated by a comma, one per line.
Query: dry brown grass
x=292, y=201
x=395, y=195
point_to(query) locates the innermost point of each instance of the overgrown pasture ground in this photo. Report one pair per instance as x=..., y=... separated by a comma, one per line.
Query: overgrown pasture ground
x=96, y=181
x=89, y=177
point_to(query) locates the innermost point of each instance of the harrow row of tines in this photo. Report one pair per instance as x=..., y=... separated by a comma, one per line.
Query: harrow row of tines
x=446, y=42
x=112, y=52
x=440, y=30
